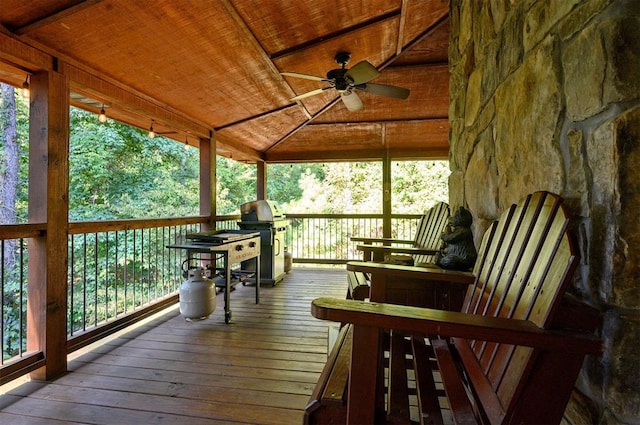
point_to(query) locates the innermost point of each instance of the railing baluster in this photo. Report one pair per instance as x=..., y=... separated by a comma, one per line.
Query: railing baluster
x=22, y=293
x=2, y=289
x=84, y=282
x=95, y=279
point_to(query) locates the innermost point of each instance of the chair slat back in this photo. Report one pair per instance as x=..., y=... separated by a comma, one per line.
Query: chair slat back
x=429, y=231
x=525, y=263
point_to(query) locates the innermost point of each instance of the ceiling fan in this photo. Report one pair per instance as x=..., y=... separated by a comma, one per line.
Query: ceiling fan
x=346, y=80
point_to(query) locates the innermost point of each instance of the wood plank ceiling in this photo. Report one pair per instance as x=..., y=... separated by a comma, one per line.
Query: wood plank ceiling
x=198, y=66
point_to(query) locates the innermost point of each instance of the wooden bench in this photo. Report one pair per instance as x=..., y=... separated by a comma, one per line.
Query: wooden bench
x=423, y=249
x=392, y=284
x=511, y=355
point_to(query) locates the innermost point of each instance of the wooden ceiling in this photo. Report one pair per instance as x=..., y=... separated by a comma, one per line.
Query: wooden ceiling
x=199, y=67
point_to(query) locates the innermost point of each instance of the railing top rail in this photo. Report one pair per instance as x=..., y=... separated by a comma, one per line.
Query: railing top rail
x=16, y=231
x=79, y=227
x=395, y=216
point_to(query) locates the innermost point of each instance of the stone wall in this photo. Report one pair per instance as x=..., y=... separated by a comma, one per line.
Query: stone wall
x=545, y=95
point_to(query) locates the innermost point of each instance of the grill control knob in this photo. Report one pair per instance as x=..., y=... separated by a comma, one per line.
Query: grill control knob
x=239, y=247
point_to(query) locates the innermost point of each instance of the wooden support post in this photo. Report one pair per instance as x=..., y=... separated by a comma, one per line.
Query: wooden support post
x=48, y=202
x=208, y=180
x=261, y=180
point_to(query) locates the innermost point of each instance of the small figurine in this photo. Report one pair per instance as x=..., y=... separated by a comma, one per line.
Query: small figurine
x=458, y=252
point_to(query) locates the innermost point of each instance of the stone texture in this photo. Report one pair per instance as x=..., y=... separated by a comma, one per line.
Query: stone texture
x=474, y=97
x=580, y=410
x=542, y=17
x=576, y=21
x=466, y=24
x=601, y=67
x=627, y=266
x=558, y=109
x=585, y=63
x=614, y=155
x=528, y=108
x=577, y=184
x=622, y=45
x=481, y=185
x=499, y=10
x=621, y=388
x=511, y=51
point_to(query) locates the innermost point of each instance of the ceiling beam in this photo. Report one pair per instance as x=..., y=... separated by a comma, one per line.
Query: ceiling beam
x=253, y=117
x=58, y=15
x=312, y=43
x=102, y=90
x=23, y=56
x=438, y=153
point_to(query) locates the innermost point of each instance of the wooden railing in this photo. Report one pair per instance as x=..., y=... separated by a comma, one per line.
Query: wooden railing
x=121, y=271
x=15, y=359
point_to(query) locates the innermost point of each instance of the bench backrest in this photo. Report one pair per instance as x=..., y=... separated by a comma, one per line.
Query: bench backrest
x=429, y=231
x=525, y=263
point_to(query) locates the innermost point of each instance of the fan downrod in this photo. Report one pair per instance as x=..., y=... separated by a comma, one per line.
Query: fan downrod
x=342, y=58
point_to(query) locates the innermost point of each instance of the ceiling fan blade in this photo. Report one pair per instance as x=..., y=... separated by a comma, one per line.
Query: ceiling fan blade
x=352, y=101
x=305, y=76
x=309, y=94
x=385, y=90
x=361, y=72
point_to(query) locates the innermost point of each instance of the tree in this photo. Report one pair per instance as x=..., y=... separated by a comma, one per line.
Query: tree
x=8, y=166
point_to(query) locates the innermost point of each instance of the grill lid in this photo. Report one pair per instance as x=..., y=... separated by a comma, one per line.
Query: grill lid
x=260, y=210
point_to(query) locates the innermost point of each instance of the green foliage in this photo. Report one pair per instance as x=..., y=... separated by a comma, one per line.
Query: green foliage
x=117, y=172
x=283, y=181
x=235, y=185
x=356, y=187
x=418, y=185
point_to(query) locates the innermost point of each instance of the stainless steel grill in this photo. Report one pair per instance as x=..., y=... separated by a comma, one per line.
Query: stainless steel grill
x=264, y=217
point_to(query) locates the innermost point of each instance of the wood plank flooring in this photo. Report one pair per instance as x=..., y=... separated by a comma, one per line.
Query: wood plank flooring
x=259, y=369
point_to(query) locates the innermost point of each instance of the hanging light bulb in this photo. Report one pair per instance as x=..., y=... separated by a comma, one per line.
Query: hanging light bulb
x=103, y=115
x=25, y=88
x=152, y=133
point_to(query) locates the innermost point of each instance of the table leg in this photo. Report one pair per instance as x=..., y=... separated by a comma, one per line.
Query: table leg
x=227, y=290
x=258, y=279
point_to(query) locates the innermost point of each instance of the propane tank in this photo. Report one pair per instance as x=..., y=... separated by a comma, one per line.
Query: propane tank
x=197, y=296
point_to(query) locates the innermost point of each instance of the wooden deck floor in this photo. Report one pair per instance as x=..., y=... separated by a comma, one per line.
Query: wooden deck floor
x=260, y=369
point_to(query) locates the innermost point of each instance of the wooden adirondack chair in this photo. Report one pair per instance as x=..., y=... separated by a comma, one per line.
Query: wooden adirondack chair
x=422, y=249
x=512, y=354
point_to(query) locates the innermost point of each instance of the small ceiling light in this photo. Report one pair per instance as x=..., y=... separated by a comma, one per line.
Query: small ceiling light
x=25, y=88
x=103, y=115
x=152, y=133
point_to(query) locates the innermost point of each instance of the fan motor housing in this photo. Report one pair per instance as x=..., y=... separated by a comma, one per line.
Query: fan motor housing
x=337, y=75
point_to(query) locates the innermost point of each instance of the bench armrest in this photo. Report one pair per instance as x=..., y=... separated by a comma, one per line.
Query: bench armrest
x=428, y=321
x=398, y=249
x=412, y=272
